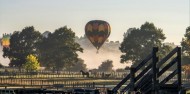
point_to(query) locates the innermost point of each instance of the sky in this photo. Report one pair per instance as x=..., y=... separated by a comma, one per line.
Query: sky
x=172, y=16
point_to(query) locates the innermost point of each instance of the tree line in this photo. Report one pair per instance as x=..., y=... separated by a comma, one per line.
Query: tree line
x=55, y=51
x=138, y=42
x=58, y=50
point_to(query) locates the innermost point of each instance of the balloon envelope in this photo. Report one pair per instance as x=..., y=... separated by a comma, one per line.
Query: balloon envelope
x=5, y=41
x=97, y=31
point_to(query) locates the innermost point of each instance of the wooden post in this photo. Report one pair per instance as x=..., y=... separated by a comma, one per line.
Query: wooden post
x=11, y=80
x=31, y=82
x=132, y=80
x=179, y=67
x=21, y=80
x=73, y=85
x=93, y=84
x=154, y=70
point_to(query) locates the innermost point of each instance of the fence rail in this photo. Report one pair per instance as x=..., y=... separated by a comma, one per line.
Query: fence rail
x=61, y=74
x=67, y=83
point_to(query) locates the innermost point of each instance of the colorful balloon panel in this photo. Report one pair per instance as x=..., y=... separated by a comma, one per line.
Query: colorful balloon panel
x=97, y=31
x=5, y=41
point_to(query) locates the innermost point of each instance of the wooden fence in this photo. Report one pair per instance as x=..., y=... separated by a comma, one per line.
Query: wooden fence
x=63, y=79
x=54, y=83
x=43, y=83
x=61, y=74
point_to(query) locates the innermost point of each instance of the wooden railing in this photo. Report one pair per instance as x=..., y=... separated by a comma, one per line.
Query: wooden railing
x=133, y=71
x=148, y=79
x=163, y=67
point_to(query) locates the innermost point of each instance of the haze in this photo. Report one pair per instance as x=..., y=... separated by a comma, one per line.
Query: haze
x=47, y=15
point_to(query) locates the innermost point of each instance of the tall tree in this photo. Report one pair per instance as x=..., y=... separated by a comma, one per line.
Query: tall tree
x=59, y=49
x=186, y=47
x=138, y=42
x=106, y=66
x=21, y=45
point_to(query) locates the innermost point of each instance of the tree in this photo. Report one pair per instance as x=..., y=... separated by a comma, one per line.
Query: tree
x=31, y=64
x=163, y=51
x=59, y=49
x=106, y=66
x=138, y=42
x=76, y=67
x=186, y=47
x=22, y=44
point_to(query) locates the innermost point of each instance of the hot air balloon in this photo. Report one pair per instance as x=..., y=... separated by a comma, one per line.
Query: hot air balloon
x=5, y=41
x=97, y=31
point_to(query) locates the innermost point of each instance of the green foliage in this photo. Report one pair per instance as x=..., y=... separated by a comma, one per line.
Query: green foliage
x=185, y=59
x=21, y=45
x=106, y=66
x=31, y=64
x=164, y=50
x=77, y=66
x=138, y=42
x=186, y=42
x=59, y=49
x=186, y=47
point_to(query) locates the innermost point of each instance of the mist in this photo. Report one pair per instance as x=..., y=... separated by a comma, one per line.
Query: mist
x=3, y=61
x=109, y=50
x=93, y=59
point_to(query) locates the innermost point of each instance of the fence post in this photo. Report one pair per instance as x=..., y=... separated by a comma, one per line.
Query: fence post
x=73, y=86
x=42, y=82
x=179, y=67
x=31, y=82
x=154, y=70
x=132, y=80
x=93, y=84
x=11, y=80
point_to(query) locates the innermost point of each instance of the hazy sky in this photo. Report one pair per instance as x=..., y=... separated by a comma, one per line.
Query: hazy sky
x=173, y=16
x=170, y=15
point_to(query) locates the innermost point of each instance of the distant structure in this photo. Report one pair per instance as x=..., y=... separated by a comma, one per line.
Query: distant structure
x=112, y=45
x=108, y=45
x=170, y=44
x=45, y=34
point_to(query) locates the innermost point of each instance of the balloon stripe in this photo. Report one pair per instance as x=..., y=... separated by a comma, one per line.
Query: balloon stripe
x=97, y=31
